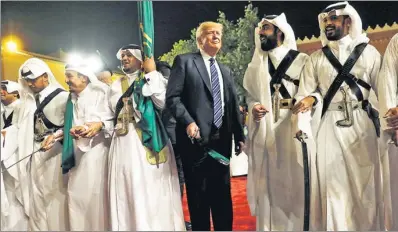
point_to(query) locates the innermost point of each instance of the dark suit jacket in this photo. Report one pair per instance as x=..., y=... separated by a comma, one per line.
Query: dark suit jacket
x=189, y=98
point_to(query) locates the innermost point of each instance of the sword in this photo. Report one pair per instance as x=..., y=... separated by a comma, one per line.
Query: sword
x=348, y=117
x=301, y=137
x=276, y=102
x=38, y=150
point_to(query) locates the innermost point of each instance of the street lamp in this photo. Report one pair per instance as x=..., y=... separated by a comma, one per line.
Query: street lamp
x=11, y=46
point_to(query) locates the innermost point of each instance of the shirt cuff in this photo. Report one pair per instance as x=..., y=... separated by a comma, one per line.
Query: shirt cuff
x=155, y=84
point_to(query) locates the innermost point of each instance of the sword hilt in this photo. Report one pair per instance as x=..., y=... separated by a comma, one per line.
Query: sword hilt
x=301, y=136
x=276, y=102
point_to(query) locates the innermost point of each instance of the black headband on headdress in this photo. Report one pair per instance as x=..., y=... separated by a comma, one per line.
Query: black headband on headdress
x=25, y=74
x=270, y=17
x=133, y=46
x=331, y=8
x=130, y=46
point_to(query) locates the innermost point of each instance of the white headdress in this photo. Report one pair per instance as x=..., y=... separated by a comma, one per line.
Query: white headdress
x=133, y=48
x=86, y=71
x=257, y=73
x=32, y=69
x=11, y=86
x=342, y=8
x=281, y=22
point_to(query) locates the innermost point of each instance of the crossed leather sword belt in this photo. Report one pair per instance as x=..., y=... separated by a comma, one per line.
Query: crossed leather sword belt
x=339, y=106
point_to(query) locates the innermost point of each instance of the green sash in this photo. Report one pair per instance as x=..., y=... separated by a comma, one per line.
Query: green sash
x=68, y=156
x=154, y=135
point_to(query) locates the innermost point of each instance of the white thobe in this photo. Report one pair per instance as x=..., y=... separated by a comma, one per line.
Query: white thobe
x=13, y=216
x=47, y=188
x=388, y=98
x=87, y=204
x=275, y=177
x=345, y=176
x=9, y=109
x=142, y=196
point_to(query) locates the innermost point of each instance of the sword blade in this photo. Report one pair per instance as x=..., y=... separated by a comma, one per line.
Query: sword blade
x=21, y=160
x=40, y=149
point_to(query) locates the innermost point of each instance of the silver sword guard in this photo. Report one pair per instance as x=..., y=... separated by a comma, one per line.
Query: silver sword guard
x=347, y=107
x=301, y=136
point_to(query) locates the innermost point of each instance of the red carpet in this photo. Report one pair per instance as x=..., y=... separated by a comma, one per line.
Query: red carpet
x=243, y=221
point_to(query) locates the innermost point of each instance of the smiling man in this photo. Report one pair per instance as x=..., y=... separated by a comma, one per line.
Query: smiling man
x=202, y=98
x=346, y=178
x=85, y=149
x=277, y=198
x=143, y=181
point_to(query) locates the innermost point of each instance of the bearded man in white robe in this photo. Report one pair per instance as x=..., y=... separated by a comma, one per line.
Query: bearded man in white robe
x=143, y=186
x=346, y=192
x=13, y=216
x=40, y=125
x=275, y=179
x=85, y=149
x=388, y=101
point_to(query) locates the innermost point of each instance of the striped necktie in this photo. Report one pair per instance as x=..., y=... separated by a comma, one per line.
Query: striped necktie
x=215, y=85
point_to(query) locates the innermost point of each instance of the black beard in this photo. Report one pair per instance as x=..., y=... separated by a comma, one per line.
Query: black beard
x=337, y=35
x=269, y=43
x=126, y=70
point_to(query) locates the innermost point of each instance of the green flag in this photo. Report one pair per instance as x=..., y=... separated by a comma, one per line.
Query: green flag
x=154, y=135
x=145, y=20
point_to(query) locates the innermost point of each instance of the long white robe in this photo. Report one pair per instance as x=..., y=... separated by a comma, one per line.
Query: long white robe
x=346, y=192
x=47, y=189
x=9, y=110
x=87, y=181
x=388, y=98
x=13, y=216
x=275, y=178
x=142, y=196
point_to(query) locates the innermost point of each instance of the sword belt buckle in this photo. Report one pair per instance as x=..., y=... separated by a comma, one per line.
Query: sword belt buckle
x=286, y=103
x=339, y=106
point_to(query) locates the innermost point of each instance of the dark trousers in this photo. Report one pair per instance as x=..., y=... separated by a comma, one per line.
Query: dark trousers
x=209, y=191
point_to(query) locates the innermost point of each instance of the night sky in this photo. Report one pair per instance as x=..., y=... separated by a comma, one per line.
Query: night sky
x=45, y=27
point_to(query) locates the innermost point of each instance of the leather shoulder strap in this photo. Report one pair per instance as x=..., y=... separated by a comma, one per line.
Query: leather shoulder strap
x=343, y=75
x=127, y=93
x=48, y=99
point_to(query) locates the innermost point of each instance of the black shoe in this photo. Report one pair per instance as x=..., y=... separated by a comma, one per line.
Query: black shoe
x=188, y=225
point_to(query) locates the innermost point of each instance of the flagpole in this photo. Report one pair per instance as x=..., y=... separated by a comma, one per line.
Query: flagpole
x=146, y=27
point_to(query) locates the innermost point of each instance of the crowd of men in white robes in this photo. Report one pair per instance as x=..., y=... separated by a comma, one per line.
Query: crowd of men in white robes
x=322, y=138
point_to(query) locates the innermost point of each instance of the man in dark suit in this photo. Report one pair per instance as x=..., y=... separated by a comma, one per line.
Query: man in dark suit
x=202, y=98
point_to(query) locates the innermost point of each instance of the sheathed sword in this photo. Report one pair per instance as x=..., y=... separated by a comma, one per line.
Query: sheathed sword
x=301, y=137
